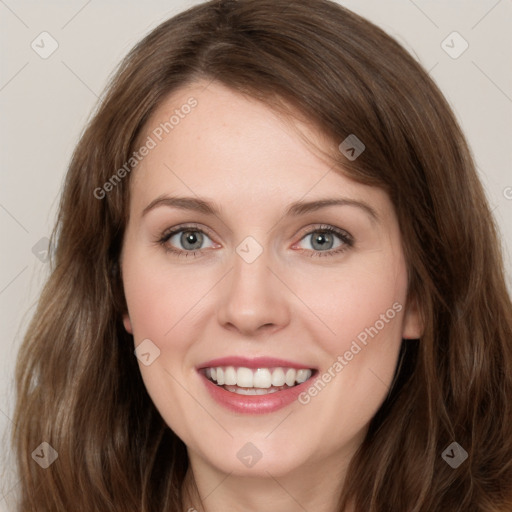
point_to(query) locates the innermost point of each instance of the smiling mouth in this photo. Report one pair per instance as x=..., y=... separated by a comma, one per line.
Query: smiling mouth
x=259, y=381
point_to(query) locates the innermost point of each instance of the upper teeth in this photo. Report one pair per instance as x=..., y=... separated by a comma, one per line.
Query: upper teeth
x=257, y=378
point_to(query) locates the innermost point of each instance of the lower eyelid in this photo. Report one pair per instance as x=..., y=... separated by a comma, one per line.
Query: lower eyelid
x=331, y=252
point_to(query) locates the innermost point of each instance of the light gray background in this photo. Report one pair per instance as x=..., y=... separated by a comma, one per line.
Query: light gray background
x=45, y=104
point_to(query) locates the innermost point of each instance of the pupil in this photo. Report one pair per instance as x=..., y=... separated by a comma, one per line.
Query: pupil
x=192, y=238
x=321, y=240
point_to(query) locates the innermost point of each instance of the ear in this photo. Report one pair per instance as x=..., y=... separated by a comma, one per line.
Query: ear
x=127, y=323
x=413, y=325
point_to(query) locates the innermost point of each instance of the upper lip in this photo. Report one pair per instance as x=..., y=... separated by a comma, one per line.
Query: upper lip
x=255, y=362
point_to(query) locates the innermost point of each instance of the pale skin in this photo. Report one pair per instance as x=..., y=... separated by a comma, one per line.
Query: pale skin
x=290, y=303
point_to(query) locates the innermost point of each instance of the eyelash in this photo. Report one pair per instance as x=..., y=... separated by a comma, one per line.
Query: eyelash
x=345, y=237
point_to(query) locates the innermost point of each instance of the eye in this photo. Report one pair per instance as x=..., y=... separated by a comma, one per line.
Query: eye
x=185, y=240
x=326, y=241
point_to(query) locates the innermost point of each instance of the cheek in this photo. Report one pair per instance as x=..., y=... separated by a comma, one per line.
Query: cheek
x=357, y=303
x=161, y=309
x=157, y=297
x=145, y=298
x=364, y=309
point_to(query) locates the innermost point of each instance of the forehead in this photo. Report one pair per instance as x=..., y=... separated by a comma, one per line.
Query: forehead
x=211, y=141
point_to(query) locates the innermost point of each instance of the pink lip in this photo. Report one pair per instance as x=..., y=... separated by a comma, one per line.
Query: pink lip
x=256, y=362
x=254, y=404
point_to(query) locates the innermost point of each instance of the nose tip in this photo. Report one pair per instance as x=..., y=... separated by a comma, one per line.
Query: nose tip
x=253, y=300
x=248, y=327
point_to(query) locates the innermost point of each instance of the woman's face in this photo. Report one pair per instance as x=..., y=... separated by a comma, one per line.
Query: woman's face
x=238, y=266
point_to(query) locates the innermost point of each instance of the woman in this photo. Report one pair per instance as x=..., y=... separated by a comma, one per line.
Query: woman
x=336, y=337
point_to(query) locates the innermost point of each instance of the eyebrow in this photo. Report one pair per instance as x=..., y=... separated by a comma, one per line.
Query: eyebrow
x=295, y=209
x=300, y=208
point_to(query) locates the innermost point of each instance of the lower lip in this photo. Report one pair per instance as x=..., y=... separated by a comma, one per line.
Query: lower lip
x=255, y=404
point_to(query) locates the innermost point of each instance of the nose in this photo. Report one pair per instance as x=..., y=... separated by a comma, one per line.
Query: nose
x=253, y=300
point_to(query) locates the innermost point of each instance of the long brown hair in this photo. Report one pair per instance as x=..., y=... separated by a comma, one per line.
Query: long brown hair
x=78, y=383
